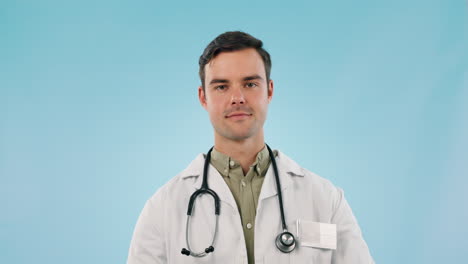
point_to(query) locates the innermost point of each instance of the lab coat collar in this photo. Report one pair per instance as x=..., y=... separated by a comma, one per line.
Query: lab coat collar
x=287, y=169
x=286, y=166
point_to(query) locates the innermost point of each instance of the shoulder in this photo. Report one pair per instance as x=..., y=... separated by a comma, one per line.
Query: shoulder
x=182, y=181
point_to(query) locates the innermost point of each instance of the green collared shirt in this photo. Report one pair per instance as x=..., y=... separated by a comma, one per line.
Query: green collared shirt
x=245, y=189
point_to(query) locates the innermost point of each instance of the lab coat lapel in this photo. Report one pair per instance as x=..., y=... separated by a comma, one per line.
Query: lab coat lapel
x=286, y=168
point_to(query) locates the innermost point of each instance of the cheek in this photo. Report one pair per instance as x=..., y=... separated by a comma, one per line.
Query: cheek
x=216, y=112
x=261, y=103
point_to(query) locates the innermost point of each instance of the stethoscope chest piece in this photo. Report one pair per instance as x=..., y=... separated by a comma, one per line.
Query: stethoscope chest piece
x=285, y=242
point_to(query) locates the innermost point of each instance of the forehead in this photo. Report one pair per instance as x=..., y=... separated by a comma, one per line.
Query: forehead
x=235, y=65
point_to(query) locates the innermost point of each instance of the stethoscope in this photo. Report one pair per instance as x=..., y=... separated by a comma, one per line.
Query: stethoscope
x=285, y=241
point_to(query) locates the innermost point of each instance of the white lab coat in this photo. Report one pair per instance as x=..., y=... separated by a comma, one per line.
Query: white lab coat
x=313, y=208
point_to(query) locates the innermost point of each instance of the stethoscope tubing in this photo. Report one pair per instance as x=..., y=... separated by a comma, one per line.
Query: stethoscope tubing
x=204, y=189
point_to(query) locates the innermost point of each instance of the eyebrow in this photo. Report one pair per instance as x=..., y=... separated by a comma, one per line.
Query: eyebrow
x=248, y=78
x=253, y=77
x=219, y=81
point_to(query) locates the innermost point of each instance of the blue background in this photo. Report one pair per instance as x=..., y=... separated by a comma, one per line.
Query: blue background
x=99, y=108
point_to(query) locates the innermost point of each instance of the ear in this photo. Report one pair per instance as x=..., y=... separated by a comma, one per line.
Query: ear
x=202, y=97
x=270, y=90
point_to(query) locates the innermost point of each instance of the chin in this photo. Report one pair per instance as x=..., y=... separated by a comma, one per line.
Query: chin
x=236, y=134
x=241, y=135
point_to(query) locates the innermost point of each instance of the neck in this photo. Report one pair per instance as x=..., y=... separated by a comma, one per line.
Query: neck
x=243, y=151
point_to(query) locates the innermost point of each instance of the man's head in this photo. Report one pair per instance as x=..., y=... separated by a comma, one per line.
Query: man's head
x=232, y=41
x=236, y=88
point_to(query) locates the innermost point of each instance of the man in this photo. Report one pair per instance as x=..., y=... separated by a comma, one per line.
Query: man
x=236, y=90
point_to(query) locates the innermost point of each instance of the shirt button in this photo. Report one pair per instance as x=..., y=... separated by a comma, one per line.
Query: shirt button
x=249, y=225
x=243, y=183
x=232, y=163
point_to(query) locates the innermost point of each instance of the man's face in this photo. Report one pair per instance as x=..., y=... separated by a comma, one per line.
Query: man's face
x=236, y=94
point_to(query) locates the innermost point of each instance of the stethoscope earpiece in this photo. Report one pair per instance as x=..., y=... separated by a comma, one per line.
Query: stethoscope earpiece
x=209, y=249
x=185, y=252
x=285, y=242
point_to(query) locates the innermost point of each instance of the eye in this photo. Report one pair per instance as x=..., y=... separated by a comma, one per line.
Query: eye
x=220, y=87
x=251, y=85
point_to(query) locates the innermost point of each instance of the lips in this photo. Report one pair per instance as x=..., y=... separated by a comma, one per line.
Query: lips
x=238, y=114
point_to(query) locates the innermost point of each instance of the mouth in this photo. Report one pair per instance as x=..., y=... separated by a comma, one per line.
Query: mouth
x=238, y=116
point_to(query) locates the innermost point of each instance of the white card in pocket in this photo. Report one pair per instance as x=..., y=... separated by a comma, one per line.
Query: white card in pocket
x=316, y=234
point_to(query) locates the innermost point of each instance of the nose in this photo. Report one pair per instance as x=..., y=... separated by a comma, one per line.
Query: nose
x=237, y=96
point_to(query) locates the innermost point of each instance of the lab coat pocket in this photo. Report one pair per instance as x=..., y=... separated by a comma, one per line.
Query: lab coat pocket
x=316, y=242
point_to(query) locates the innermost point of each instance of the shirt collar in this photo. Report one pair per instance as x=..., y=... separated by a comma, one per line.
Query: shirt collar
x=285, y=165
x=223, y=163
